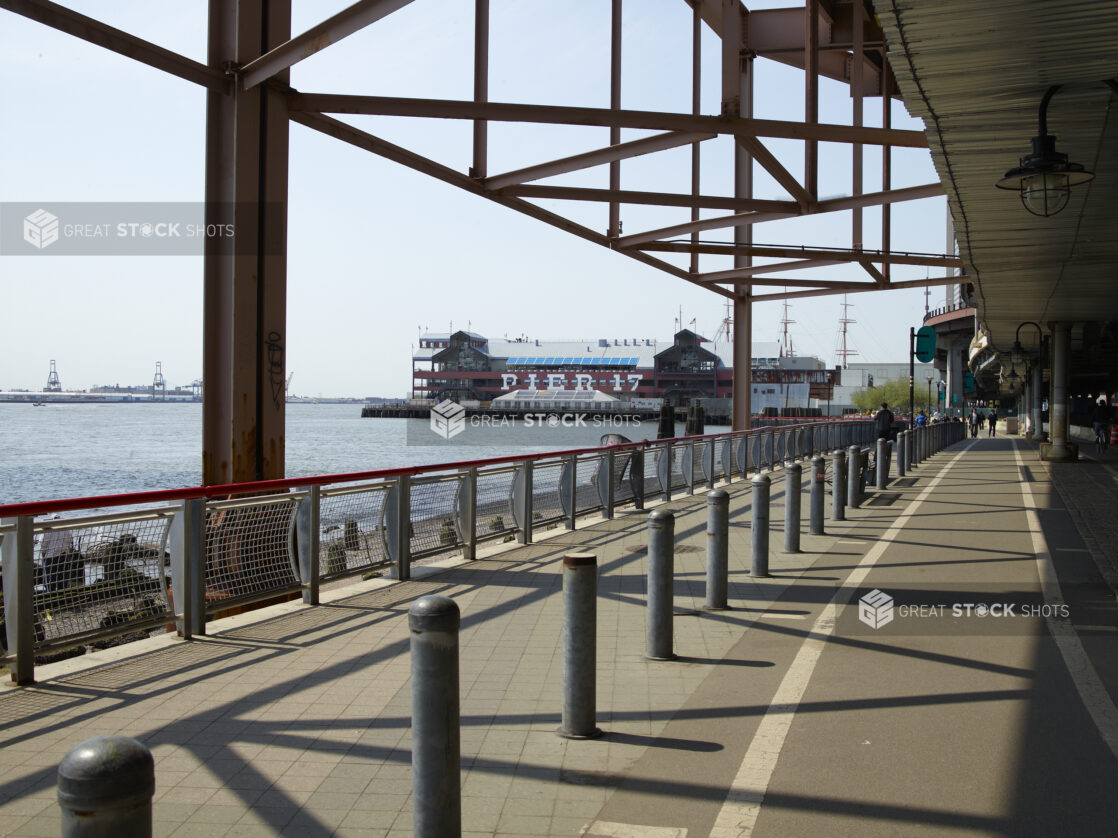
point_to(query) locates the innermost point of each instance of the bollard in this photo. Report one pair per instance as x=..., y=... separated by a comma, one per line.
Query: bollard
x=818, y=482
x=914, y=448
x=661, y=557
x=902, y=466
x=105, y=786
x=436, y=750
x=759, y=526
x=853, y=476
x=838, y=486
x=580, y=646
x=792, y=498
x=882, y=463
x=718, y=552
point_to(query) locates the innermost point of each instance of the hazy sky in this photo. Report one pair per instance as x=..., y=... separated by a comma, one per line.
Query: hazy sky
x=376, y=251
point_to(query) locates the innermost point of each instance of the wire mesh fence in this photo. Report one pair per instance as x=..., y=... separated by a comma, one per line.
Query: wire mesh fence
x=586, y=485
x=249, y=549
x=494, y=503
x=99, y=576
x=351, y=529
x=433, y=506
x=546, y=489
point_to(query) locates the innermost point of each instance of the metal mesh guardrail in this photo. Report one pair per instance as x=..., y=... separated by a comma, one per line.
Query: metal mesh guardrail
x=82, y=580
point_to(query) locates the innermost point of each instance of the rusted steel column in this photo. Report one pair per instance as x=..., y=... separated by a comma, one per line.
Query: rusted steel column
x=481, y=86
x=615, y=104
x=857, y=84
x=245, y=275
x=811, y=93
x=696, y=103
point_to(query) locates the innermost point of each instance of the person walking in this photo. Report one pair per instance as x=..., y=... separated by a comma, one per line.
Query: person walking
x=883, y=422
x=992, y=421
x=921, y=418
x=975, y=421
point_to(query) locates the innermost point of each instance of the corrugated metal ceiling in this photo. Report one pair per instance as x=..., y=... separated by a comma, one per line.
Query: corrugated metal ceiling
x=975, y=71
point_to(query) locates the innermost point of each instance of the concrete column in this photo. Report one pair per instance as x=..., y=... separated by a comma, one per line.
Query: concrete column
x=1035, y=396
x=1061, y=344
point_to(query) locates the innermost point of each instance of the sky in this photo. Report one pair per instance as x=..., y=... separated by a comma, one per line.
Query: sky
x=378, y=252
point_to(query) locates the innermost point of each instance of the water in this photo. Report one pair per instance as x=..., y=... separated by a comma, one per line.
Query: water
x=76, y=450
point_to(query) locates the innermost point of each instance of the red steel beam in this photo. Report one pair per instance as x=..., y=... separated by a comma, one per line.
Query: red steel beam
x=663, y=199
x=339, y=103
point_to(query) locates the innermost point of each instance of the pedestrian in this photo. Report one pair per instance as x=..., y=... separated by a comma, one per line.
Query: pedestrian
x=883, y=421
x=975, y=421
x=992, y=420
x=921, y=418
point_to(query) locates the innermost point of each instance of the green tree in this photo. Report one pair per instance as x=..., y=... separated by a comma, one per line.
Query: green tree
x=894, y=393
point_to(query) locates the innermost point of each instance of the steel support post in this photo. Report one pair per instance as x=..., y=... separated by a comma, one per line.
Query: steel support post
x=611, y=482
x=19, y=597
x=403, y=527
x=661, y=561
x=105, y=787
x=306, y=525
x=433, y=622
x=838, y=485
x=469, y=519
x=481, y=86
x=737, y=101
x=525, y=534
x=718, y=553
x=636, y=476
x=759, y=525
x=854, y=476
x=691, y=469
x=792, y=500
x=665, y=472
x=1058, y=409
x=188, y=567
x=245, y=274
x=818, y=485
x=580, y=646
x=615, y=104
x=708, y=455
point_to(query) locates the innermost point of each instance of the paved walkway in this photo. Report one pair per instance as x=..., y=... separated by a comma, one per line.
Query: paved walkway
x=784, y=716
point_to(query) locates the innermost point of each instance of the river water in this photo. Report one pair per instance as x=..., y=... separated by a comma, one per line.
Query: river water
x=76, y=450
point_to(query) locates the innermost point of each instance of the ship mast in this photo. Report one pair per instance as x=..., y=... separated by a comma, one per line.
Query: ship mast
x=843, y=352
x=786, y=339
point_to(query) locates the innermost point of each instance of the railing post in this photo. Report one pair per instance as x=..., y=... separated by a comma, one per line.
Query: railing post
x=188, y=567
x=710, y=462
x=611, y=479
x=306, y=523
x=572, y=493
x=838, y=486
x=718, y=553
x=759, y=525
x=818, y=482
x=665, y=473
x=636, y=476
x=105, y=786
x=853, y=476
x=403, y=527
x=19, y=597
x=436, y=759
x=580, y=646
x=661, y=559
x=691, y=468
x=525, y=535
x=469, y=537
x=792, y=498
x=882, y=463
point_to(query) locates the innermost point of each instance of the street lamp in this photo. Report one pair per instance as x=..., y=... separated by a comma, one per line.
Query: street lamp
x=1017, y=352
x=1045, y=177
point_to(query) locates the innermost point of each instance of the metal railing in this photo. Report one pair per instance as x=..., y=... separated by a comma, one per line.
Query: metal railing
x=197, y=552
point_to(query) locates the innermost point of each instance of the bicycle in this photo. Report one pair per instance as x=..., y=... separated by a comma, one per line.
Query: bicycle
x=1102, y=438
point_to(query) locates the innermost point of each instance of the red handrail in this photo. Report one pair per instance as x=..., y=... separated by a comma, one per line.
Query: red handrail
x=44, y=507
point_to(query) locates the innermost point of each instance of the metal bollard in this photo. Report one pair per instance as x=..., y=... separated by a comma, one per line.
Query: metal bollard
x=792, y=499
x=759, y=525
x=818, y=483
x=105, y=786
x=580, y=646
x=838, y=486
x=661, y=558
x=902, y=466
x=436, y=749
x=853, y=476
x=882, y=463
x=718, y=551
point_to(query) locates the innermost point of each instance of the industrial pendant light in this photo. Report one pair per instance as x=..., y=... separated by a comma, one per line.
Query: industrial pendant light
x=1045, y=178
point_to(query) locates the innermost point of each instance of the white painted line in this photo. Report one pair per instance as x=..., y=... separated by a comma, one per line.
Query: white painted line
x=609, y=829
x=738, y=815
x=1091, y=690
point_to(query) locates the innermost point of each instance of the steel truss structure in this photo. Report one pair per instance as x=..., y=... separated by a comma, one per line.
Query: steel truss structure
x=251, y=104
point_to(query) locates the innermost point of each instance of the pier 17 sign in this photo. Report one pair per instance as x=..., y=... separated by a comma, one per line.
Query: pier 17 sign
x=559, y=381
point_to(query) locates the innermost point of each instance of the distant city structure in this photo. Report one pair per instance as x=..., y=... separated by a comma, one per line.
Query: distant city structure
x=469, y=367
